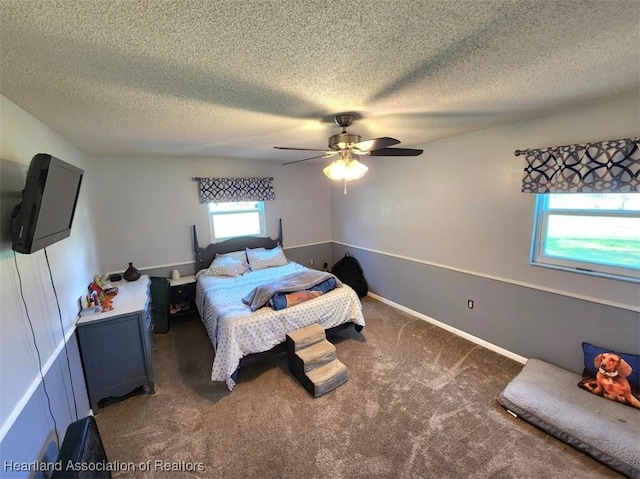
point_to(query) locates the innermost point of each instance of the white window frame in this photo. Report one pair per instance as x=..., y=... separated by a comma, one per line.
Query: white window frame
x=540, y=225
x=259, y=207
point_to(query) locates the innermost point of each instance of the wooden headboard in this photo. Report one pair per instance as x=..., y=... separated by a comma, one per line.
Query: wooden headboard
x=204, y=256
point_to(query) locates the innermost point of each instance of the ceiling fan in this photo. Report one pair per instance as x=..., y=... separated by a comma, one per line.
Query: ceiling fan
x=345, y=144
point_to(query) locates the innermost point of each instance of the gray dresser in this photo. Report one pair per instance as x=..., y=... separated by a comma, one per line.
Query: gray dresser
x=117, y=346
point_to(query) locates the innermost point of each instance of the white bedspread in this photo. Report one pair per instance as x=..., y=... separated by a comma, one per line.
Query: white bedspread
x=236, y=332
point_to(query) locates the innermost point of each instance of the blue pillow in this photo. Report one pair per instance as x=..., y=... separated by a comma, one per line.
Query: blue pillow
x=590, y=372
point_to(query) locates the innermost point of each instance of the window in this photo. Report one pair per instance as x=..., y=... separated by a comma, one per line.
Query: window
x=589, y=233
x=244, y=218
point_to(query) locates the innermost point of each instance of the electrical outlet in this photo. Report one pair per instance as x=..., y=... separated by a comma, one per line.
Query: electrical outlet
x=470, y=303
x=311, y=262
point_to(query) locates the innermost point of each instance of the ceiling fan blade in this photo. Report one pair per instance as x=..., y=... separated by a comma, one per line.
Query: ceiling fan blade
x=375, y=143
x=326, y=155
x=299, y=149
x=396, y=152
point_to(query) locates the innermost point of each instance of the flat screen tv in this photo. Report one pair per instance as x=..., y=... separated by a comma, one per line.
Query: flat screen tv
x=48, y=204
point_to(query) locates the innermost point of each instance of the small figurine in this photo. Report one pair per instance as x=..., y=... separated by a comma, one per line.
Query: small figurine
x=106, y=303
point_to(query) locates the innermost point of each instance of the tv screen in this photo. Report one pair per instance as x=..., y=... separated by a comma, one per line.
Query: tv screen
x=48, y=205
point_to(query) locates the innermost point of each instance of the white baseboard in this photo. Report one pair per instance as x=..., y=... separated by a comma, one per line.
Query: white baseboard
x=451, y=329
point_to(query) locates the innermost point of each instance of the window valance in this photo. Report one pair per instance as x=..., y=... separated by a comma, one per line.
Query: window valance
x=611, y=166
x=235, y=189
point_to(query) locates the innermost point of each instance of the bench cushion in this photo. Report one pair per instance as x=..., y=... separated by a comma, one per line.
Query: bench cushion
x=547, y=397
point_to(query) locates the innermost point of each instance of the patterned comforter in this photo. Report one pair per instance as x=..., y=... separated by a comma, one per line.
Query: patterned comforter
x=236, y=332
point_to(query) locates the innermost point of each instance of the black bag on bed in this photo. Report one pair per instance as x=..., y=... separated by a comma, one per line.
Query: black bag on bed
x=348, y=271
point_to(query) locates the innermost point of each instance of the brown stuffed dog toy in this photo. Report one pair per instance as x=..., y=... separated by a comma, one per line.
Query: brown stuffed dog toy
x=611, y=379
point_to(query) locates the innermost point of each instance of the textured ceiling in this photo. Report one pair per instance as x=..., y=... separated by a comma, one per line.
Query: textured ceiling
x=232, y=79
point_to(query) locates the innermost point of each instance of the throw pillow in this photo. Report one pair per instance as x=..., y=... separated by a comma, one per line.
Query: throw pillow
x=260, y=258
x=239, y=255
x=611, y=374
x=227, y=266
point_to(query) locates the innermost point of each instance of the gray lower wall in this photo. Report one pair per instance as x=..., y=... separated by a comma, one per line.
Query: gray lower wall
x=32, y=436
x=526, y=321
x=319, y=253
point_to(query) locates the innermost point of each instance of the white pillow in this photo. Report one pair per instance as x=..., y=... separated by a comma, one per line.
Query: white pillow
x=226, y=265
x=239, y=255
x=260, y=258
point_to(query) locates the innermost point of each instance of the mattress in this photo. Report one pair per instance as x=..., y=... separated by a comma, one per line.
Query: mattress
x=549, y=397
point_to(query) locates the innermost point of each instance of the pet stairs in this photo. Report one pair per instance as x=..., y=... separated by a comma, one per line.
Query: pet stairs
x=313, y=361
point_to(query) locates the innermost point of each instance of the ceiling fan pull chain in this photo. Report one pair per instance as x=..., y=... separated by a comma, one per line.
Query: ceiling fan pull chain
x=345, y=186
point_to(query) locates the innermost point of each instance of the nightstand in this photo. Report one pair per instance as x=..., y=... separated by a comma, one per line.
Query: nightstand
x=182, y=296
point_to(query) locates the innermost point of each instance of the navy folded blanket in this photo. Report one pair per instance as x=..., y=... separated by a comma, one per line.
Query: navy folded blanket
x=280, y=292
x=286, y=300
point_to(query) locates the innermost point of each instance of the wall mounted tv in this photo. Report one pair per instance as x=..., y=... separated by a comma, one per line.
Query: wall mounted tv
x=48, y=204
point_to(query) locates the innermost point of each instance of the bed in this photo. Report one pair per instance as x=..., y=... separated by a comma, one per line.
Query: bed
x=241, y=336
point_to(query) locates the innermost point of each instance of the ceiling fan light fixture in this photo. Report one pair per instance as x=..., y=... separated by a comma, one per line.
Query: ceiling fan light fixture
x=355, y=170
x=336, y=170
x=345, y=169
x=349, y=147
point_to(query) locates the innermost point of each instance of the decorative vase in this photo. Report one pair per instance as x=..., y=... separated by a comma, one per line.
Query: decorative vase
x=131, y=274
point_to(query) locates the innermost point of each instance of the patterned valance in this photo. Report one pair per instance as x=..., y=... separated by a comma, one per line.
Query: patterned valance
x=224, y=190
x=605, y=167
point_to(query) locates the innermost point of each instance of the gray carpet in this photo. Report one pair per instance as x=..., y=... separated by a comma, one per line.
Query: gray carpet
x=419, y=403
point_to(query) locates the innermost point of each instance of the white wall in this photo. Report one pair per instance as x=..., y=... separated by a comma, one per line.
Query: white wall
x=73, y=260
x=459, y=204
x=145, y=206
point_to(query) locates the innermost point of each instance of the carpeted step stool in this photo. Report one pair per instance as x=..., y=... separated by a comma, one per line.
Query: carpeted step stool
x=313, y=361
